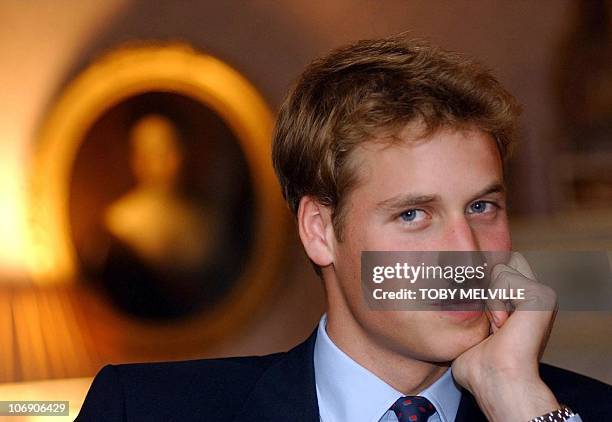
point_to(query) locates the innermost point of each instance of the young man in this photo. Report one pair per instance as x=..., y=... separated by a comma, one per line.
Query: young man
x=384, y=145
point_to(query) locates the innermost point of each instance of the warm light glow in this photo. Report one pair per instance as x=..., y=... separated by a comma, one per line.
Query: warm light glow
x=72, y=390
x=26, y=91
x=12, y=210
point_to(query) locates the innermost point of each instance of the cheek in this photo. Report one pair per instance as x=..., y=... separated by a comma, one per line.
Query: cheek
x=347, y=262
x=389, y=238
x=495, y=238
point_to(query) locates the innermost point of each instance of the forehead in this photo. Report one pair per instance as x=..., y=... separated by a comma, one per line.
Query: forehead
x=449, y=161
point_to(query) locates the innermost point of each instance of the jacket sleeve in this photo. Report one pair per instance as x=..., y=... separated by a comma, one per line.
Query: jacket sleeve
x=105, y=399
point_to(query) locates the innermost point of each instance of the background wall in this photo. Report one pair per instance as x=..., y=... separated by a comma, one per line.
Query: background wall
x=44, y=44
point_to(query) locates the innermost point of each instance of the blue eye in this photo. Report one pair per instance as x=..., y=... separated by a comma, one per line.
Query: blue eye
x=480, y=207
x=411, y=215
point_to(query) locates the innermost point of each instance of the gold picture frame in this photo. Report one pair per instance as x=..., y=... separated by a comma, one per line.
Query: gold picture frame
x=119, y=75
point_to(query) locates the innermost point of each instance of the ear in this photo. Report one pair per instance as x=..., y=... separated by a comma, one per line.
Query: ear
x=316, y=231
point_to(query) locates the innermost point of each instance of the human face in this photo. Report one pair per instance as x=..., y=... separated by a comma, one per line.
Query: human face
x=440, y=193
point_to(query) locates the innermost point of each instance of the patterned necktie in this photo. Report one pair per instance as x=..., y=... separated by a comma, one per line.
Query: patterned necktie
x=413, y=409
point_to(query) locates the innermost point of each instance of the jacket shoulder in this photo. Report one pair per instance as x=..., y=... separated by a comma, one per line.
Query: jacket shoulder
x=587, y=396
x=200, y=389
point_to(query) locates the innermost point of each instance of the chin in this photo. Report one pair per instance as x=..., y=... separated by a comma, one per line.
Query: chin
x=458, y=333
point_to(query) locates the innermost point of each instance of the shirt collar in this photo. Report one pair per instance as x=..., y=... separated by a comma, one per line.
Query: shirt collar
x=445, y=395
x=348, y=391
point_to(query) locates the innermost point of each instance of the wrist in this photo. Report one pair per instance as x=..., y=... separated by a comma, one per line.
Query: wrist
x=515, y=399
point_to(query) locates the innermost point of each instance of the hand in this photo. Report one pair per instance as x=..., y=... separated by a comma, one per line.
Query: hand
x=502, y=371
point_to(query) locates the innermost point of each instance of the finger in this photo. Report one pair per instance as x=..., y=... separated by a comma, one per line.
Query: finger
x=537, y=296
x=532, y=314
x=520, y=264
x=492, y=324
x=531, y=321
x=497, y=307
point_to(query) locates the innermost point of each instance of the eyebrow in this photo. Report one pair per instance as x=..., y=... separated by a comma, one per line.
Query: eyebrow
x=400, y=202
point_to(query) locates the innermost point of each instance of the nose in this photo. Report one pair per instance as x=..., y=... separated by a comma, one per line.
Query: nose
x=460, y=236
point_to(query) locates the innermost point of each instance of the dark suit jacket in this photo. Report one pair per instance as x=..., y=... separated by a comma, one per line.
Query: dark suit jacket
x=277, y=387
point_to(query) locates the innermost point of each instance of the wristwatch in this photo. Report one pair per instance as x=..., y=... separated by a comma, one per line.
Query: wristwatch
x=560, y=415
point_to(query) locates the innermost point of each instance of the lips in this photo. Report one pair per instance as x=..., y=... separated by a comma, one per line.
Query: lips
x=457, y=304
x=470, y=306
x=462, y=305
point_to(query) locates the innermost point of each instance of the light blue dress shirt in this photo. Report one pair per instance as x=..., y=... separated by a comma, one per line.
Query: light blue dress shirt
x=348, y=392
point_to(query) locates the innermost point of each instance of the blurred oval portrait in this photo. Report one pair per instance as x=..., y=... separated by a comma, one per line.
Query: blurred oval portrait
x=161, y=206
x=152, y=188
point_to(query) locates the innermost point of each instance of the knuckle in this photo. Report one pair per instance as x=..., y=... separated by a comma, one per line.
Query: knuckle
x=549, y=294
x=505, y=276
x=545, y=297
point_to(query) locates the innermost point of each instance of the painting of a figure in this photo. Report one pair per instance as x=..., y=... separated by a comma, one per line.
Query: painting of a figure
x=161, y=206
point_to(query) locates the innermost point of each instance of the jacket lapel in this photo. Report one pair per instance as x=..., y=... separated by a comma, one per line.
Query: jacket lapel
x=286, y=390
